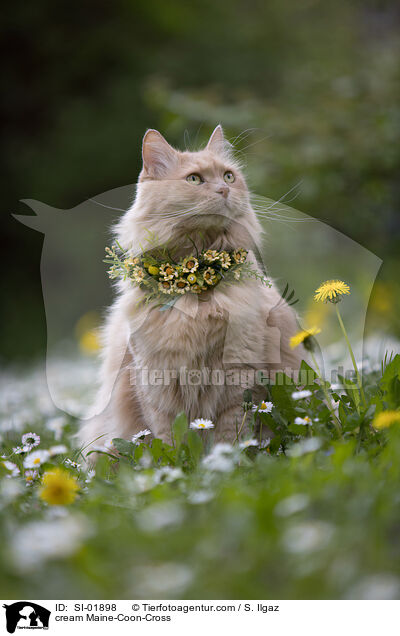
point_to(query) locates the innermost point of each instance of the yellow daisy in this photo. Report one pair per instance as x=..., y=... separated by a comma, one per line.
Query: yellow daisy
x=239, y=256
x=168, y=272
x=303, y=336
x=224, y=259
x=59, y=487
x=190, y=264
x=384, y=419
x=210, y=276
x=192, y=279
x=210, y=256
x=331, y=291
x=165, y=287
x=181, y=286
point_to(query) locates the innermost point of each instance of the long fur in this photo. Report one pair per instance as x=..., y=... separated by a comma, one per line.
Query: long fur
x=241, y=327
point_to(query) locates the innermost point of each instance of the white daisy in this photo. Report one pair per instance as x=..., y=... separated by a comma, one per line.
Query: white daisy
x=248, y=442
x=300, y=395
x=69, y=462
x=168, y=474
x=263, y=407
x=303, y=421
x=291, y=505
x=201, y=423
x=59, y=449
x=29, y=441
x=265, y=442
x=307, y=446
x=137, y=436
x=13, y=468
x=222, y=448
x=200, y=496
x=39, y=541
x=36, y=459
x=30, y=476
x=219, y=462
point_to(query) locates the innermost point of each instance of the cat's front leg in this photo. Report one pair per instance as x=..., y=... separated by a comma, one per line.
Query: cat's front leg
x=161, y=424
x=228, y=424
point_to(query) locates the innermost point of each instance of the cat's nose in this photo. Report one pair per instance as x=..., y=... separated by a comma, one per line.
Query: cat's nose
x=223, y=189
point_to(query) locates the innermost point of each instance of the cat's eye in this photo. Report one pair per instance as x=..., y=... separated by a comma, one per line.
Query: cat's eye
x=194, y=178
x=229, y=177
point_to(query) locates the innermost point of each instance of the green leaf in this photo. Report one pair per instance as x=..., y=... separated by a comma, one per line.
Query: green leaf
x=156, y=449
x=123, y=446
x=307, y=374
x=390, y=383
x=138, y=453
x=179, y=428
x=298, y=429
x=275, y=444
x=195, y=445
x=351, y=390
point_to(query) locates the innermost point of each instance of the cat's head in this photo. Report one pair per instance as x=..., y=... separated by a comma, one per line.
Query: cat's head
x=189, y=191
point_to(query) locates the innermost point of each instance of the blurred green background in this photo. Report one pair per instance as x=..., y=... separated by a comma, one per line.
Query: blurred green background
x=314, y=84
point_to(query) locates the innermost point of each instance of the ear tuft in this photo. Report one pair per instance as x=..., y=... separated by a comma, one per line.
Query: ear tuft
x=158, y=155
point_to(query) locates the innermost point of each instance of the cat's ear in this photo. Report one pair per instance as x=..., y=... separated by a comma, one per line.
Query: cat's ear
x=158, y=156
x=217, y=142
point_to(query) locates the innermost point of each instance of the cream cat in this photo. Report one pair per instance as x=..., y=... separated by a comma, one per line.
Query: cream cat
x=152, y=359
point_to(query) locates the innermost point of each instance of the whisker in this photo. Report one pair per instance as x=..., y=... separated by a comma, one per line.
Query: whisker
x=258, y=141
x=296, y=185
x=245, y=133
x=109, y=207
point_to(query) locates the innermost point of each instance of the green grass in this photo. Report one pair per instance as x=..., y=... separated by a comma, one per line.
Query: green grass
x=315, y=515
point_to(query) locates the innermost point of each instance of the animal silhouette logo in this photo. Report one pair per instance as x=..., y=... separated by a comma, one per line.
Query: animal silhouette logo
x=26, y=615
x=300, y=250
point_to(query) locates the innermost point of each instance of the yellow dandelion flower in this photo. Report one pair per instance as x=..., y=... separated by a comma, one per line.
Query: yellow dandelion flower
x=331, y=291
x=59, y=487
x=89, y=342
x=382, y=298
x=87, y=332
x=384, y=419
x=303, y=336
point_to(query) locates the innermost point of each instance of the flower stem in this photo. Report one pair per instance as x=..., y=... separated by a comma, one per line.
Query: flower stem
x=359, y=382
x=336, y=420
x=241, y=426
